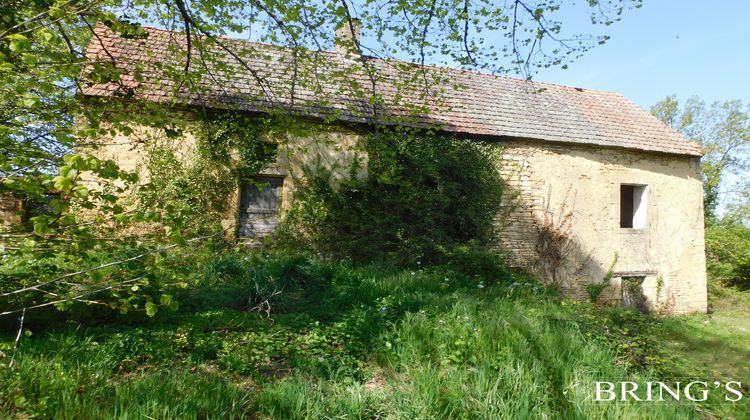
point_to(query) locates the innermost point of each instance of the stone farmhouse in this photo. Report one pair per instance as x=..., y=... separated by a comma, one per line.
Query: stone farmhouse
x=598, y=184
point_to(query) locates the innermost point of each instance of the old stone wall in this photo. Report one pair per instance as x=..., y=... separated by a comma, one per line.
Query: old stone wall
x=332, y=151
x=569, y=196
x=10, y=210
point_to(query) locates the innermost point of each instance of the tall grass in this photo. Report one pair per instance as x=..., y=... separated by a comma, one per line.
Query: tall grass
x=343, y=341
x=78, y=377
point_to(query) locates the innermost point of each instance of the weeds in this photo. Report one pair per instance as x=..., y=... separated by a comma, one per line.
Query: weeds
x=464, y=340
x=594, y=290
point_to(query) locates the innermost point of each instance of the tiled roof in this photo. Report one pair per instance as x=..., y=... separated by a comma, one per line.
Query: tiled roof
x=470, y=102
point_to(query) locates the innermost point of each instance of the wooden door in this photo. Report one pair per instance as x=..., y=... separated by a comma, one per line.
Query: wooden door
x=260, y=207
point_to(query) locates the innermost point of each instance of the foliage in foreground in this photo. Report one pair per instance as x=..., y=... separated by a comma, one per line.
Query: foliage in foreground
x=342, y=340
x=108, y=236
x=48, y=126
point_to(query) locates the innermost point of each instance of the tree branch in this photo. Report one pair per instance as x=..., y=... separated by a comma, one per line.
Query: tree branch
x=99, y=267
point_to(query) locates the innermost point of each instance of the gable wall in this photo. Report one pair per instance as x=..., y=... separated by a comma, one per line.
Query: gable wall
x=571, y=194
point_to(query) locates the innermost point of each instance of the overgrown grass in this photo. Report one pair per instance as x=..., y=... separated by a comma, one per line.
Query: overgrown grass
x=713, y=346
x=342, y=341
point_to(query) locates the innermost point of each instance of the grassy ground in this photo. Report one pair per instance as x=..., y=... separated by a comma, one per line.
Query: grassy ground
x=714, y=347
x=364, y=342
x=717, y=343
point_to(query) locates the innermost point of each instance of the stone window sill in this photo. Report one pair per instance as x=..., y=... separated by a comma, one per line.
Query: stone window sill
x=633, y=231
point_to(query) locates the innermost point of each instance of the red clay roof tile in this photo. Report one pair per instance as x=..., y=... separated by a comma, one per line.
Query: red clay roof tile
x=461, y=101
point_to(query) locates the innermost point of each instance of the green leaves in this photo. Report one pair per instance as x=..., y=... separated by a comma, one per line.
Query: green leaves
x=151, y=309
x=168, y=302
x=728, y=254
x=104, y=73
x=425, y=196
x=220, y=134
x=41, y=225
x=18, y=43
x=85, y=233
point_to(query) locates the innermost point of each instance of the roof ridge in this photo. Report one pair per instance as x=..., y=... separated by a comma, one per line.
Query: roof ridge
x=486, y=104
x=397, y=60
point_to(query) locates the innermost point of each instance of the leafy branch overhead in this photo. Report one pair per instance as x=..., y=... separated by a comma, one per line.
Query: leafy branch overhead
x=53, y=51
x=43, y=47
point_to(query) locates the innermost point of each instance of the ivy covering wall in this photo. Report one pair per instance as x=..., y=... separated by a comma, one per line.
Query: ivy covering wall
x=427, y=197
x=194, y=195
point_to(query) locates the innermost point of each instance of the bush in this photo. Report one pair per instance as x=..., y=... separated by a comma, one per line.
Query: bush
x=248, y=280
x=728, y=254
x=473, y=261
x=424, y=196
x=226, y=268
x=594, y=290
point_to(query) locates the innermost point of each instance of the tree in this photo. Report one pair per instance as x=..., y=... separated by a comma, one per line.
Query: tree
x=44, y=124
x=42, y=45
x=723, y=130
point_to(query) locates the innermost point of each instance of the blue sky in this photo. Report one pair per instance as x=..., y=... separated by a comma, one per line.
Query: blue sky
x=682, y=47
x=669, y=47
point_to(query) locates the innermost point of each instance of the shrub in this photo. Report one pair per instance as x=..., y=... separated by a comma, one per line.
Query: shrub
x=226, y=268
x=473, y=261
x=424, y=196
x=594, y=290
x=728, y=254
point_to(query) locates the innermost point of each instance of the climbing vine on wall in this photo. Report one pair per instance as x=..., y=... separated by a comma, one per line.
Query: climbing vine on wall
x=236, y=139
x=426, y=196
x=193, y=194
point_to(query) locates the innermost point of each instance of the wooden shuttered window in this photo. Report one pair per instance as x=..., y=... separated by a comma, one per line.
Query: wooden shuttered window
x=260, y=207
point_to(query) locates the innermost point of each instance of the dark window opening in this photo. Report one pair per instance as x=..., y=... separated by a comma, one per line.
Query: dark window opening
x=626, y=206
x=632, y=293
